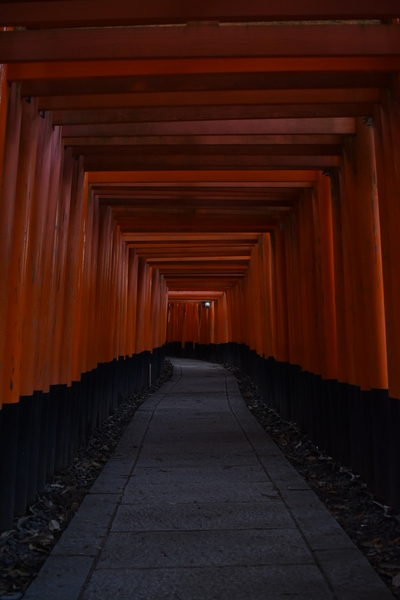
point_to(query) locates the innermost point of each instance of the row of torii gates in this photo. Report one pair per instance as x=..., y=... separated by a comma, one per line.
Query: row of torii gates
x=221, y=180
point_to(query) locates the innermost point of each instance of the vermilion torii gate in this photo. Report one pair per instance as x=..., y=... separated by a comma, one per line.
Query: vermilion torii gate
x=154, y=157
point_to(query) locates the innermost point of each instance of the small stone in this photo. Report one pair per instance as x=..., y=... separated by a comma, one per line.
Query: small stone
x=54, y=525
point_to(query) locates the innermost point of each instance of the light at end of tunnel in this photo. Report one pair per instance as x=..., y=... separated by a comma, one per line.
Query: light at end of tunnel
x=207, y=304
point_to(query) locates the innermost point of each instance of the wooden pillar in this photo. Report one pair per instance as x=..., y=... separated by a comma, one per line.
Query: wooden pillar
x=132, y=300
x=143, y=288
x=295, y=327
x=342, y=277
x=3, y=116
x=387, y=142
x=269, y=342
x=362, y=249
x=59, y=267
x=324, y=259
x=7, y=211
x=74, y=273
x=279, y=290
x=17, y=274
x=36, y=286
x=46, y=263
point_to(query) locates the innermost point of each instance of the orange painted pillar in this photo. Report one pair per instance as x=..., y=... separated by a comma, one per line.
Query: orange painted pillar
x=362, y=250
x=59, y=269
x=221, y=320
x=279, y=290
x=143, y=291
x=164, y=311
x=154, y=309
x=295, y=325
x=324, y=257
x=342, y=277
x=387, y=143
x=132, y=300
x=211, y=321
x=256, y=302
x=92, y=357
x=85, y=360
x=308, y=305
x=79, y=281
x=7, y=211
x=74, y=275
x=104, y=284
x=3, y=116
x=48, y=314
x=269, y=342
x=17, y=275
x=124, y=350
x=34, y=329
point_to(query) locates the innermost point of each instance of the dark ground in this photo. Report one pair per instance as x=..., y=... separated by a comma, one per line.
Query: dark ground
x=375, y=529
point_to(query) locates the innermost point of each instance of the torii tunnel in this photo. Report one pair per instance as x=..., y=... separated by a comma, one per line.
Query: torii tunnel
x=216, y=179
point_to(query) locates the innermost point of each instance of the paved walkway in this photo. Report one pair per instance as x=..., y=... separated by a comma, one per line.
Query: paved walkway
x=198, y=503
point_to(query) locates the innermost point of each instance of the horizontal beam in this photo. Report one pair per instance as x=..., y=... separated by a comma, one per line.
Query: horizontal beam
x=218, y=284
x=194, y=150
x=195, y=254
x=209, y=203
x=177, y=161
x=193, y=246
x=206, y=113
x=201, y=177
x=172, y=210
x=191, y=296
x=184, y=223
x=234, y=236
x=200, y=41
x=127, y=195
x=85, y=13
x=205, y=140
x=88, y=81
x=201, y=186
x=306, y=126
x=28, y=71
x=208, y=98
x=201, y=260
x=185, y=296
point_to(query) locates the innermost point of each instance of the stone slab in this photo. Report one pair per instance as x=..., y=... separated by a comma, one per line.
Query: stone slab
x=75, y=542
x=200, y=460
x=108, y=483
x=198, y=447
x=95, y=512
x=297, y=582
x=204, y=548
x=195, y=438
x=320, y=529
x=202, y=516
x=206, y=474
x=212, y=491
x=351, y=576
x=284, y=474
x=61, y=578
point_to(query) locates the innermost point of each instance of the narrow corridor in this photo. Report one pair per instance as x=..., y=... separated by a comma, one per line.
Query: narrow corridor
x=198, y=503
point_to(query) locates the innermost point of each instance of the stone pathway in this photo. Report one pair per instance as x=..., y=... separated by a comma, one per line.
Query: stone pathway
x=198, y=503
